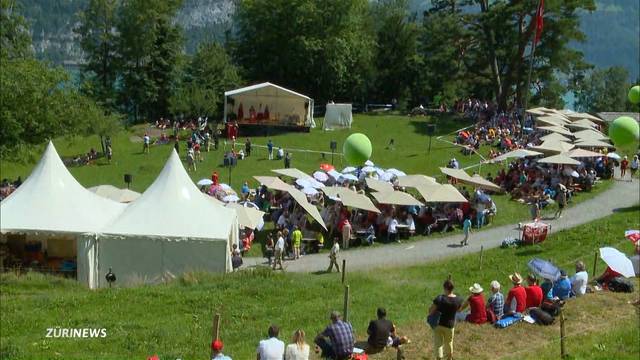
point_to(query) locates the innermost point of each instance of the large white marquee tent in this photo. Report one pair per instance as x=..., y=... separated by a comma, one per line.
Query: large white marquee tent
x=170, y=229
x=285, y=107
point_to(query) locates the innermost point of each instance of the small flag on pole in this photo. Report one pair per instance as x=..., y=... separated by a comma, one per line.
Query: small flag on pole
x=539, y=21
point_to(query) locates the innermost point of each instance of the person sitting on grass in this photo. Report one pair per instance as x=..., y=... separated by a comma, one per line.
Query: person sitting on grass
x=271, y=348
x=478, y=312
x=382, y=333
x=562, y=287
x=608, y=275
x=216, y=351
x=580, y=280
x=516, y=298
x=298, y=349
x=340, y=339
x=496, y=300
x=534, y=292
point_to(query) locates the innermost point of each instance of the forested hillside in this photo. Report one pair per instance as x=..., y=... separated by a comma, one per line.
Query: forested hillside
x=612, y=30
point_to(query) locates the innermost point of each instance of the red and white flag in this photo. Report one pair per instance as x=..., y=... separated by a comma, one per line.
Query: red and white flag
x=539, y=21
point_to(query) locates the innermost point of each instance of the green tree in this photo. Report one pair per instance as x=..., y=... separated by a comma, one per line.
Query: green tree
x=149, y=49
x=602, y=90
x=209, y=74
x=323, y=48
x=98, y=39
x=15, y=39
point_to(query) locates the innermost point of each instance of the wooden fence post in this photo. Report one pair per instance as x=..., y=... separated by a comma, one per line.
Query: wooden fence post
x=481, y=255
x=563, y=350
x=344, y=269
x=215, y=329
x=595, y=263
x=346, y=303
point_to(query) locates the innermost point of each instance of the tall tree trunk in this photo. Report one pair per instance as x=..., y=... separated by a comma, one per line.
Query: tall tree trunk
x=493, y=59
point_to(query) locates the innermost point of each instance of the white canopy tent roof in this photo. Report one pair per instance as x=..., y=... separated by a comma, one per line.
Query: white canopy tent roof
x=281, y=101
x=174, y=207
x=51, y=200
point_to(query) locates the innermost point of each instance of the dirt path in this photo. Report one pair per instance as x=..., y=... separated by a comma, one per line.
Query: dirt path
x=620, y=195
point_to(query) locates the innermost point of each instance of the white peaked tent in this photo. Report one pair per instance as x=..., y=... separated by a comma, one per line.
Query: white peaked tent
x=286, y=107
x=171, y=228
x=51, y=201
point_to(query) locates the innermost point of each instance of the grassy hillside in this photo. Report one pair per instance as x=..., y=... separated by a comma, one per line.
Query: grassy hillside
x=173, y=320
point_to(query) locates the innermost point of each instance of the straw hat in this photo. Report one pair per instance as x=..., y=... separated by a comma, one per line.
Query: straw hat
x=476, y=289
x=516, y=278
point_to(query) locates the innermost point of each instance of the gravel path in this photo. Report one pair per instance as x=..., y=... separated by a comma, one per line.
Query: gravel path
x=620, y=195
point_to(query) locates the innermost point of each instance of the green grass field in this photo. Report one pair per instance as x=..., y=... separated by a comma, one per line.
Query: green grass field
x=174, y=320
x=410, y=155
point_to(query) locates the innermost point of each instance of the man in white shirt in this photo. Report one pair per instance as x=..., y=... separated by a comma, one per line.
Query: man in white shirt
x=333, y=256
x=392, y=230
x=146, y=142
x=579, y=280
x=279, y=251
x=283, y=220
x=271, y=348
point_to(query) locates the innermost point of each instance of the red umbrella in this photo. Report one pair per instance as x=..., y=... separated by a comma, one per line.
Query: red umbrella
x=326, y=167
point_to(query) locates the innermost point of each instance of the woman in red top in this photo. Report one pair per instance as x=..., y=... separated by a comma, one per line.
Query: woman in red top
x=534, y=292
x=475, y=302
x=517, y=298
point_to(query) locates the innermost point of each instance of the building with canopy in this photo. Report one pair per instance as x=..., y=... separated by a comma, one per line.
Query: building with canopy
x=42, y=220
x=170, y=229
x=268, y=105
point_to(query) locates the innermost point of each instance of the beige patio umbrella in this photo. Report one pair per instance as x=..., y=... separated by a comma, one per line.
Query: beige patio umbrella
x=292, y=172
x=476, y=180
x=519, y=153
x=350, y=198
x=578, y=116
x=556, y=129
x=247, y=216
x=437, y=193
x=586, y=122
x=592, y=143
x=415, y=180
x=590, y=134
x=536, y=111
x=301, y=199
x=582, y=153
x=560, y=159
x=380, y=186
x=552, y=120
x=555, y=137
x=273, y=182
x=578, y=127
x=553, y=146
x=114, y=193
x=396, y=198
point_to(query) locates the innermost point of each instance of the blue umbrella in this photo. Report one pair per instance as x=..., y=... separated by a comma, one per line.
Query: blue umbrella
x=544, y=269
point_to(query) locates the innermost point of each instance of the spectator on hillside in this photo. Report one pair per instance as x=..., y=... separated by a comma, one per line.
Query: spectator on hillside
x=447, y=305
x=516, y=298
x=534, y=292
x=382, y=333
x=562, y=287
x=496, y=300
x=478, y=311
x=216, y=351
x=298, y=349
x=270, y=149
x=336, y=340
x=271, y=348
x=579, y=280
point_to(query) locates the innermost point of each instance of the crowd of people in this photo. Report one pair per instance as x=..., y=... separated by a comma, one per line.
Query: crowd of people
x=7, y=187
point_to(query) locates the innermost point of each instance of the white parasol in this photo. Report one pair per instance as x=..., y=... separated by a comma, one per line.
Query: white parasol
x=617, y=261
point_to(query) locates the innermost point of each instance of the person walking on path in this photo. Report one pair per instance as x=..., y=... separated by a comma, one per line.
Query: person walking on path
x=562, y=200
x=466, y=228
x=279, y=253
x=333, y=256
x=447, y=305
x=270, y=149
x=296, y=240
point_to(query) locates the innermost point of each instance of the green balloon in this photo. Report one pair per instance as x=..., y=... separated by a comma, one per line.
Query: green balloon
x=634, y=94
x=357, y=149
x=624, y=130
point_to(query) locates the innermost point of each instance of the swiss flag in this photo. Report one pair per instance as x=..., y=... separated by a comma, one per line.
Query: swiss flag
x=539, y=21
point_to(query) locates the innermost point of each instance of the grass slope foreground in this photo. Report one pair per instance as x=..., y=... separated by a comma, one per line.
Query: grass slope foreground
x=174, y=320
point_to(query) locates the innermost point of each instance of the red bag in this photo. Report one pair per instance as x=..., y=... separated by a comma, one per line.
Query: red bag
x=359, y=357
x=491, y=316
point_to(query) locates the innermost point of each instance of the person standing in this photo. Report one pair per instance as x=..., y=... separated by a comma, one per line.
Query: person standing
x=466, y=229
x=298, y=349
x=447, y=305
x=287, y=160
x=333, y=256
x=269, y=245
x=279, y=251
x=191, y=160
x=561, y=199
x=271, y=348
x=109, y=153
x=346, y=233
x=535, y=210
x=296, y=240
x=247, y=147
x=624, y=164
x=635, y=164
x=392, y=229
x=270, y=149
x=146, y=142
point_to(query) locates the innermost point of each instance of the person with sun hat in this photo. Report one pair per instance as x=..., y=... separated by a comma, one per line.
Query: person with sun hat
x=216, y=351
